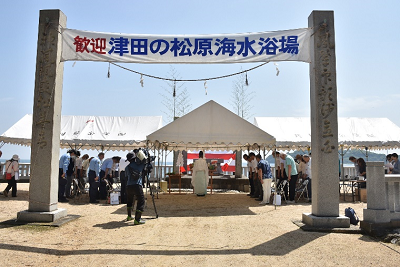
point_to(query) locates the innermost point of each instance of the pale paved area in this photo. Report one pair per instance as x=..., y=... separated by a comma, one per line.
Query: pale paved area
x=226, y=229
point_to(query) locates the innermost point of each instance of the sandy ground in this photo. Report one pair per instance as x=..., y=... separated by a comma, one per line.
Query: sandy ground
x=223, y=229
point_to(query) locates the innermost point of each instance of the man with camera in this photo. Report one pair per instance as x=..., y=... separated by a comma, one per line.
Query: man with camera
x=134, y=188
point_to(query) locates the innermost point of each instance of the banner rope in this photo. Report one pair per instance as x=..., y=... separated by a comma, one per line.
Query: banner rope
x=188, y=80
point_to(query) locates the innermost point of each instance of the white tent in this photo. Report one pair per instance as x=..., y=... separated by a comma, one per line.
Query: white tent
x=91, y=132
x=295, y=132
x=211, y=127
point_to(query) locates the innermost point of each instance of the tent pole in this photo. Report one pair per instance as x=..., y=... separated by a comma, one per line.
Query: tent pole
x=276, y=180
x=342, y=172
x=158, y=169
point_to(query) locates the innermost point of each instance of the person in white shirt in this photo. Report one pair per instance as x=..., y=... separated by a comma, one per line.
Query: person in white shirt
x=388, y=165
x=307, y=174
x=280, y=163
x=11, y=168
x=200, y=176
x=1, y=154
x=123, y=178
x=78, y=169
x=246, y=158
x=85, y=166
x=258, y=191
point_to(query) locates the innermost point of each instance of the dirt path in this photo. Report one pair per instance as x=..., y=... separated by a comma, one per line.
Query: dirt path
x=225, y=229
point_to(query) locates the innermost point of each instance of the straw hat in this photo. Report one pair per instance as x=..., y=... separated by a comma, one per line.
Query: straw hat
x=15, y=157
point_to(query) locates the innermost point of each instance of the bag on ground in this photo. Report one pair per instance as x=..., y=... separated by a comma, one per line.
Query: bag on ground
x=277, y=200
x=351, y=213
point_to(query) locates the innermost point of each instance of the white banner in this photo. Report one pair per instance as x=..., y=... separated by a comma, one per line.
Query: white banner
x=289, y=45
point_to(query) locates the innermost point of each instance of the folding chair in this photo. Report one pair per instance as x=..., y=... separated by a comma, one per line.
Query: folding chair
x=77, y=189
x=279, y=191
x=302, y=188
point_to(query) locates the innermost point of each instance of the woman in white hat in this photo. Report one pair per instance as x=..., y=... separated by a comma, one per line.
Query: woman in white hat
x=12, y=167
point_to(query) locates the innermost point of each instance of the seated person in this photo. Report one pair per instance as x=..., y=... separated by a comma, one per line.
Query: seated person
x=200, y=176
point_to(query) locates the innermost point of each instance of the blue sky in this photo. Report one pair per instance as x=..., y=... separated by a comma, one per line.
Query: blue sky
x=366, y=55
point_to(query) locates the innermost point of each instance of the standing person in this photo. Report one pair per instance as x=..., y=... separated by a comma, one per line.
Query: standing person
x=280, y=172
x=12, y=168
x=106, y=173
x=134, y=188
x=265, y=176
x=78, y=167
x=70, y=173
x=362, y=167
x=246, y=158
x=1, y=153
x=396, y=164
x=256, y=181
x=307, y=174
x=94, y=177
x=84, y=171
x=123, y=178
x=200, y=176
x=291, y=172
x=388, y=165
x=62, y=174
x=354, y=160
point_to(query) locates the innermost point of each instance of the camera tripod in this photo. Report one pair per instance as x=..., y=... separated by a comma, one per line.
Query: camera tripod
x=151, y=192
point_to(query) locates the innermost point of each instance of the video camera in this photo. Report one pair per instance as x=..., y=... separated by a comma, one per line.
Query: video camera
x=143, y=157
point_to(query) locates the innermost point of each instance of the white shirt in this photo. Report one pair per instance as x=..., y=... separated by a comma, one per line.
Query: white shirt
x=388, y=166
x=301, y=167
x=78, y=163
x=11, y=167
x=307, y=169
x=200, y=165
x=85, y=164
x=253, y=165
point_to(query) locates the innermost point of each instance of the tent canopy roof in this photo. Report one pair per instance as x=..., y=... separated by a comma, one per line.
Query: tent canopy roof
x=91, y=132
x=211, y=127
x=295, y=132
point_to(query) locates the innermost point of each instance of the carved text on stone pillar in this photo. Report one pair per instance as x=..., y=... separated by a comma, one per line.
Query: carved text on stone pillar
x=46, y=87
x=325, y=91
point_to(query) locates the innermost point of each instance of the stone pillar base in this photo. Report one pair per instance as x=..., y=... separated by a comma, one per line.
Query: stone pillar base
x=38, y=216
x=326, y=222
x=376, y=216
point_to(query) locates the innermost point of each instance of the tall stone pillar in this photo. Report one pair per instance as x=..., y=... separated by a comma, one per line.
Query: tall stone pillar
x=45, y=148
x=324, y=124
x=238, y=164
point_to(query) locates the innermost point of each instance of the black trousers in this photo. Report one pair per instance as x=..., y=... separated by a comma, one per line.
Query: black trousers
x=135, y=191
x=292, y=187
x=251, y=181
x=94, y=186
x=12, y=184
x=309, y=187
x=258, y=192
x=123, y=180
x=62, y=182
x=103, y=185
